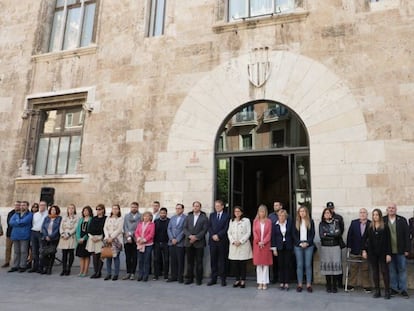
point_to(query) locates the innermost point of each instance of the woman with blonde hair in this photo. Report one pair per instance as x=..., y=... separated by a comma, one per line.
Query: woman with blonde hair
x=303, y=235
x=144, y=235
x=67, y=238
x=282, y=246
x=262, y=255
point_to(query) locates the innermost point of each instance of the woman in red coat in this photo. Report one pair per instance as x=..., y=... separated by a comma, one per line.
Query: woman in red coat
x=262, y=255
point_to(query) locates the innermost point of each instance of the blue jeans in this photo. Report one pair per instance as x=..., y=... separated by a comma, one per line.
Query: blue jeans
x=109, y=265
x=144, y=262
x=304, y=260
x=398, y=272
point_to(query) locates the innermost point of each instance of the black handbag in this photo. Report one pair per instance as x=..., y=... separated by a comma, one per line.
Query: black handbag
x=48, y=249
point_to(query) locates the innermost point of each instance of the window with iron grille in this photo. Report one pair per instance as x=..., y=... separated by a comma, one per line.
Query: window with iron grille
x=55, y=134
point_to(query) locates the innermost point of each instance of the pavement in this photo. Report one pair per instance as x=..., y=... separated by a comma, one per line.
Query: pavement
x=32, y=291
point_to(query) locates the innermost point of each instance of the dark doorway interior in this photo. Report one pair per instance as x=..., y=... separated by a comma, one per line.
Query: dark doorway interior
x=266, y=179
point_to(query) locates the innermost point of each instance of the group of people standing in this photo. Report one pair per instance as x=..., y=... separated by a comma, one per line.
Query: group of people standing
x=154, y=240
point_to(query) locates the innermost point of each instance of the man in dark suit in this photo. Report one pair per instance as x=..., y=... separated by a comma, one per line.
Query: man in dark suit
x=400, y=246
x=195, y=229
x=277, y=206
x=219, y=243
x=354, y=242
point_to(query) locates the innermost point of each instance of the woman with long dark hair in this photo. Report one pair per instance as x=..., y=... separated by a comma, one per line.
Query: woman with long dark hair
x=95, y=240
x=240, y=250
x=376, y=248
x=330, y=261
x=81, y=240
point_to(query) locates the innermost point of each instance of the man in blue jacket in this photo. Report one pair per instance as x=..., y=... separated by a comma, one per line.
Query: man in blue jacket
x=21, y=223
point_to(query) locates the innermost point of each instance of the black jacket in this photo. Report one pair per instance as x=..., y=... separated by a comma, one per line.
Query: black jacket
x=330, y=233
x=403, y=234
x=377, y=242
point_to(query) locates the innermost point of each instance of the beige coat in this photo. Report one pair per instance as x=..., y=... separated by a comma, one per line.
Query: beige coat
x=113, y=228
x=240, y=231
x=67, y=232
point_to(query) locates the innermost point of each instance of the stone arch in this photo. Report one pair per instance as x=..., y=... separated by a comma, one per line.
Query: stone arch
x=323, y=101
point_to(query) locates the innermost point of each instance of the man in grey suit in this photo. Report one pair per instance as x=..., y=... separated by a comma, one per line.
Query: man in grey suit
x=176, y=244
x=195, y=229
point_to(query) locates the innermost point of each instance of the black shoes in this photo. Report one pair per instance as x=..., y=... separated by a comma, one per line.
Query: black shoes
x=188, y=282
x=108, y=277
x=171, y=280
x=211, y=282
x=13, y=270
x=393, y=292
x=115, y=278
x=404, y=294
x=377, y=294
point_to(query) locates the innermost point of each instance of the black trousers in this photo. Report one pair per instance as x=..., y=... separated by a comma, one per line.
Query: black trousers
x=239, y=267
x=378, y=264
x=195, y=260
x=68, y=256
x=97, y=263
x=284, y=265
x=130, y=257
x=218, y=259
x=275, y=269
x=177, y=255
x=161, y=259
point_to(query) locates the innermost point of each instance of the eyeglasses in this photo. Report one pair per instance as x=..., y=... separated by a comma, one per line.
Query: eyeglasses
x=99, y=209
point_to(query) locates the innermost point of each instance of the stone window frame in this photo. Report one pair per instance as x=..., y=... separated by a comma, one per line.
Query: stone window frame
x=381, y=5
x=154, y=16
x=222, y=24
x=65, y=7
x=34, y=107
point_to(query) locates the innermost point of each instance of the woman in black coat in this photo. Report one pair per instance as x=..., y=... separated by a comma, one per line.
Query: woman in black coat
x=377, y=249
x=282, y=246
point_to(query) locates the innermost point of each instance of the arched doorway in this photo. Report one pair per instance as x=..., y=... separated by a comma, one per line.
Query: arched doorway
x=262, y=156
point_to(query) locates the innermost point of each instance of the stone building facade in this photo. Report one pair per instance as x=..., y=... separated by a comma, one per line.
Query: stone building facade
x=151, y=87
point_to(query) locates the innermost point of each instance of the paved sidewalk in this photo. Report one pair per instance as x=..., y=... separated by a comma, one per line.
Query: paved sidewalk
x=28, y=291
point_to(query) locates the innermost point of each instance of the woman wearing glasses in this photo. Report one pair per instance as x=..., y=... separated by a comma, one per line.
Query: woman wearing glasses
x=95, y=240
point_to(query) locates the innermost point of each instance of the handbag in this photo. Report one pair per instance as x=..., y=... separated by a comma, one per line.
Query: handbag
x=48, y=249
x=106, y=251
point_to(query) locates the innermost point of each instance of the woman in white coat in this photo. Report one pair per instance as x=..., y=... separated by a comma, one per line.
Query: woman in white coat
x=240, y=250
